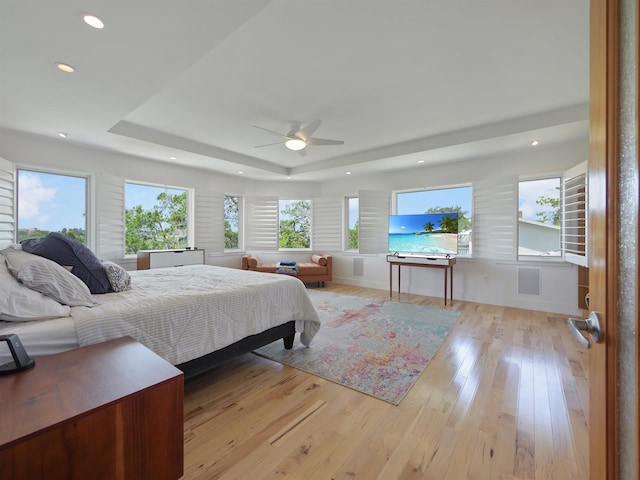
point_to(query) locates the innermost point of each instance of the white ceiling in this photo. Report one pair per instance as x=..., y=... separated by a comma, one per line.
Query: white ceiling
x=398, y=80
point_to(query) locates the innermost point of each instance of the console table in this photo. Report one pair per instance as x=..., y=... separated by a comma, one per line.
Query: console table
x=446, y=264
x=113, y=410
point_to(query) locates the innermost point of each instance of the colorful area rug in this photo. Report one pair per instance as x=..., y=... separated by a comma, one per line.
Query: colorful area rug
x=374, y=346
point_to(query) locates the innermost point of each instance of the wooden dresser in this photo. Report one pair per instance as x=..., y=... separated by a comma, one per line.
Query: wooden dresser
x=113, y=410
x=169, y=258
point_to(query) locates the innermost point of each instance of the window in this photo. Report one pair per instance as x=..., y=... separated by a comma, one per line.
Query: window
x=441, y=200
x=156, y=218
x=539, y=218
x=294, y=223
x=50, y=202
x=351, y=240
x=231, y=222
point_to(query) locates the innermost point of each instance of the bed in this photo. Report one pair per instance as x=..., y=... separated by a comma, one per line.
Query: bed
x=195, y=316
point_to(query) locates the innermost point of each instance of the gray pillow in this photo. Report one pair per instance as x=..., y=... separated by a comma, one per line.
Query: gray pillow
x=49, y=278
x=119, y=278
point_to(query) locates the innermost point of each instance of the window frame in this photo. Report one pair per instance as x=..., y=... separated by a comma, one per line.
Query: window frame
x=89, y=193
x=240, y=225
x=347, y=221
x=190, y=211
x=310, y=232
x=539, y=258
x=394, y=208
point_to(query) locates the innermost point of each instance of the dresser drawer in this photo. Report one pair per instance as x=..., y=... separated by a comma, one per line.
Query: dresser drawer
x=169, y=258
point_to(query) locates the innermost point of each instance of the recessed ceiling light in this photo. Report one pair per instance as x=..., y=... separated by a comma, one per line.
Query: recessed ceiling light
x=347, y=173
x=534, y=143
x=240, y=172
x=173, y=158
x=62, y=134
x=420, y=161
x=93, y=21
x=65, y=68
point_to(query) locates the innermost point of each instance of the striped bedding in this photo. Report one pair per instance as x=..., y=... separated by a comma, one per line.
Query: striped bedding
x=186, y=312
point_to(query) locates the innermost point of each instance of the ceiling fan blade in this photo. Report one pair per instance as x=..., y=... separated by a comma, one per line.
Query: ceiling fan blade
x=271, y=131
x=267, y=145
x=303, y=152
x=310, y=128
x=294, y=127
x=324, y=141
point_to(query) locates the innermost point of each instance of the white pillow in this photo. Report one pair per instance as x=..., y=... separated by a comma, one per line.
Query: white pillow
x=46, y=276
x=20, y=303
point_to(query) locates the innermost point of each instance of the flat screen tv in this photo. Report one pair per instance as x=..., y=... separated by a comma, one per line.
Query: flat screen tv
x=426, y=233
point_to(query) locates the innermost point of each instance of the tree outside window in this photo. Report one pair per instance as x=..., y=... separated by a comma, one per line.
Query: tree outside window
x=353, y=211
x=295, y=223
x=231, y=223
x=156, y=218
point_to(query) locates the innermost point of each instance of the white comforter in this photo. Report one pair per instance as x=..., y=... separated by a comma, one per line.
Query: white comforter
x=186, y=312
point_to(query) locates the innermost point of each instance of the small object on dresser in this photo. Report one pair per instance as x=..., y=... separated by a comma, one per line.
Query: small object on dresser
x=21, y=361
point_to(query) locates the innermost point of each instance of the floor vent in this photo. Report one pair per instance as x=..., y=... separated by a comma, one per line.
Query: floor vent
x=529, y=281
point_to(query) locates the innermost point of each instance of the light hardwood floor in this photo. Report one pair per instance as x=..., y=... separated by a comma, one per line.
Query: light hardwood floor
x=504, y=397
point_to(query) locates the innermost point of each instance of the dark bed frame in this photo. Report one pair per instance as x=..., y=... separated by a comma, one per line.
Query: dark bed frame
x=194, y=367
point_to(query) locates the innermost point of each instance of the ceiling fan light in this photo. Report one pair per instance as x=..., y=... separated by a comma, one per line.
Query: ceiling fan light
x=295, y=144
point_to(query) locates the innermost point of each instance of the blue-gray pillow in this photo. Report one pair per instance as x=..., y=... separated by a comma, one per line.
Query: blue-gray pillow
x=69, y=252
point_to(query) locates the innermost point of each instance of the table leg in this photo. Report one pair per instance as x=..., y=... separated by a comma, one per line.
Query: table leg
x=451, y=285
x=398, y=280
x=390, y=280
x=445, y=285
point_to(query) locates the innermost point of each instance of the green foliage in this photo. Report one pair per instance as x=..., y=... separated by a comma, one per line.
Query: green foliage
x=552, y=216
x=354, y=237
x=231, y=222
x=162, y=227
x=295, y=227
x=79, y=234
x=428, y=227
x=449, y=224
x=464, y=223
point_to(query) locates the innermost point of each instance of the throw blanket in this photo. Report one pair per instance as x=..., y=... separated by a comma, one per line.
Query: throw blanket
x=186, y=312
x=288, y=268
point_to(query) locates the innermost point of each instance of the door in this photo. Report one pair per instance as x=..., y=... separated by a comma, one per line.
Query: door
x=603, y=238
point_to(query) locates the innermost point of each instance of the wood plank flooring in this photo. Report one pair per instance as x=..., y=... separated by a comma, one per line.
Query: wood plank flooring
x=505, y=397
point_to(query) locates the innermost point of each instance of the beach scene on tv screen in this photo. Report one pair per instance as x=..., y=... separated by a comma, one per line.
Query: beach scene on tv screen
x=428, y=233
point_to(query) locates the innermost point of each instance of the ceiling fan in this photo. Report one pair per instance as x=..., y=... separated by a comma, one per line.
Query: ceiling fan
x=299, y=138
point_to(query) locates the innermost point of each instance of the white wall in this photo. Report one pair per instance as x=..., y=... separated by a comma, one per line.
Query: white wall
x=475, y=279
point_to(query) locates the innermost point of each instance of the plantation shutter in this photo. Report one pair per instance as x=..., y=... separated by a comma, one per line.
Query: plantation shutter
x=110, y=218
x=373, y=220
x=261, y=223
x=495, y=218
x=575, y=197
x=326, y=224
x=209, y=221
x=7, y=203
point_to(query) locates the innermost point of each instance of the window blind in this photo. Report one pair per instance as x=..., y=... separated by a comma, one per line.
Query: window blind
x=110, y=218
x=326, y=224
x=495, y=218
x=209, y=221
x=261, y=223
x=7, y=203
x=373, y=220
x=575, y=215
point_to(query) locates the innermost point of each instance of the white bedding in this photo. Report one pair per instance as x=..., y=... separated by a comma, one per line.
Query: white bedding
x=186, y=312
